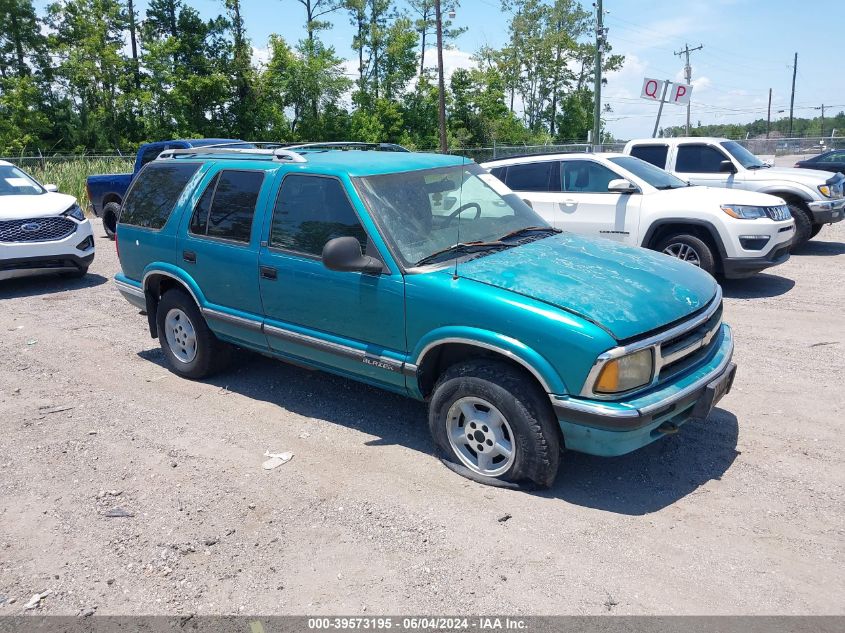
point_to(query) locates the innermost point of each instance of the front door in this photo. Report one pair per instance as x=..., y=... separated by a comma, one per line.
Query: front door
x=348, y=322
x=700, y=164
x=219, y=251
x=588, y=208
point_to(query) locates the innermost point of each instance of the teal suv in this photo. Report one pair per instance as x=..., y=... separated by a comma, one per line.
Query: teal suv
x=424, y=275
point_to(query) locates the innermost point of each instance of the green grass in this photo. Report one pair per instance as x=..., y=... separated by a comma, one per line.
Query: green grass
x=69, y=173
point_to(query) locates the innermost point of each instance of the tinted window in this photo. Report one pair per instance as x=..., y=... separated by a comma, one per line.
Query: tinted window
x=698, y=159
x=499, y=172
x=586, y=176
x=309, y=212
x=833, y=157
x=199, y=220
x=155, y=192
x=150, y=154
x=654, y=154
x=530, y=176
x=229, y=216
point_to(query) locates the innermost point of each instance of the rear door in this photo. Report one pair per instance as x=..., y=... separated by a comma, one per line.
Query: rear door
x=349, y=322
x=589, y=208
x=218, y=248
x=536, y=182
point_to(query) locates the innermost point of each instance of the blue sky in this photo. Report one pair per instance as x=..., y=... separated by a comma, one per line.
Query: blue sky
x=748, y=48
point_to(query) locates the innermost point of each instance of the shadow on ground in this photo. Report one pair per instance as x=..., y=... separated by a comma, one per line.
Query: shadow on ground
x=639, y=483
x=46, y=284
x=820, y=248
x=759, y=286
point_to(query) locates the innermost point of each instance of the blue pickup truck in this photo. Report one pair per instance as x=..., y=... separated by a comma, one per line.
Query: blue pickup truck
x=106, y=191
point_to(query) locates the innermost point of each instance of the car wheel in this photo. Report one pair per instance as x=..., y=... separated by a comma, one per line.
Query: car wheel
x=803, y=225
x=110, y=213
x=690, y=249
x=815, y=230
x=190, y=347
x=496, y=423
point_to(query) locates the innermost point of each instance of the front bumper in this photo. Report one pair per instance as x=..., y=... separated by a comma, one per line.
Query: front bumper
x=741, y=267
x=827, y=211
x=23, y=259
x=615, y=428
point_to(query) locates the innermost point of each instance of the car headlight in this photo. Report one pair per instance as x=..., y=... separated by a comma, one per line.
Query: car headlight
x=626, y=372
x=75, y=212
x=744, y=212
x=825, y=190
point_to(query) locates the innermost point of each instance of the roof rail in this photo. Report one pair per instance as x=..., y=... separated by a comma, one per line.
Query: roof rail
x=346, y=145
x=277, y=154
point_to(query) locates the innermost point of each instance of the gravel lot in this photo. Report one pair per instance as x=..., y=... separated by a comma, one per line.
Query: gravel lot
x=741, y=514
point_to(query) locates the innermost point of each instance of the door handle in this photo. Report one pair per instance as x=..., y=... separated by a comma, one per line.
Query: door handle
x=189, y=256
x=569, y=202
x=268, y=272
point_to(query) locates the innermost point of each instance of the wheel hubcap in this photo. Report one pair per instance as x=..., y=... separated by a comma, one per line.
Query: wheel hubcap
x=181, y=335
x=684, y=252
x=480, y=436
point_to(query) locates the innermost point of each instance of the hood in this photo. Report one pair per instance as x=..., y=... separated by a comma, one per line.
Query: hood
x=718, y=196
x=809, y=177
x=626, y=290
x=40, y=206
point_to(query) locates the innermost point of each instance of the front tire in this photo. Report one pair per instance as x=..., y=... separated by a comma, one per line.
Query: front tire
x=493, y=420
x=690, y=249
x=110, y=214
x=190, y=347
x=815, y=230
x=803, y=225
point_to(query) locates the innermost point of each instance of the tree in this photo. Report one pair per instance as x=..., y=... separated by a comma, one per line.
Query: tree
x=316, y=9
x=426, y=25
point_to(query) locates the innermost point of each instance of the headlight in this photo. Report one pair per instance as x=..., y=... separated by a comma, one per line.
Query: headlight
x=744, y=212
x=75, y=212
x=626, y=373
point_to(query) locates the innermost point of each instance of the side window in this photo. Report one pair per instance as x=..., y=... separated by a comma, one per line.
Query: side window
x=499, y=172
x=310, y=211
x=199, y=220
x=530, y=176
x=698, y=159
x=585, y=176
x=150, y=154
x=154, y=193
x=654, y=154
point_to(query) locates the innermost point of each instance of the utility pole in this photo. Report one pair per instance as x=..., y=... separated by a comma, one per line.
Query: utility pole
x=688, y=72
x=822, y=109
x=597, y=87
x=134, y=41
x=444, y=145
x=769, y=115
x=792, y=98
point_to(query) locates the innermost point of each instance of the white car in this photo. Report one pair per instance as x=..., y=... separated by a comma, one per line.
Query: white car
x=815, y=198
x=41, y=231
x=622, y=198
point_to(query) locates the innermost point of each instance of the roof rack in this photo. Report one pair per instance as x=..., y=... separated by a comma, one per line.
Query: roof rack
x=277, y=154
x=347, y=145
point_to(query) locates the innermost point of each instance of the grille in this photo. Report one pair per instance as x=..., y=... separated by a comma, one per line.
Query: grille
x=778, y=213
x=686, y=350
x=36, y=230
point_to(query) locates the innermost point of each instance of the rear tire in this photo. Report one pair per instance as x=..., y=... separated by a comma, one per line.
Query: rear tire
x=110, y=213
x=803, y=225
x=690, y=249
x=496, y=423
x=190, y=347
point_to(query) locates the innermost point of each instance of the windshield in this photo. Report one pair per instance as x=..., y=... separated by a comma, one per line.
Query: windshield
x=14, y=182
x=425, y=212
x=745, y=158
x=654, y=176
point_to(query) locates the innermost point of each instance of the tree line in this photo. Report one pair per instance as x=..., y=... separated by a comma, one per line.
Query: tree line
x=95, y=75
x=801, y=128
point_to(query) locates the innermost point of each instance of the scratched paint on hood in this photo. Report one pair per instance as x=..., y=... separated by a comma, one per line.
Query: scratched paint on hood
x=625, y=289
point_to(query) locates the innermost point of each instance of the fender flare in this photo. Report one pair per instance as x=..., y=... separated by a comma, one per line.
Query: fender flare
x=708, y=226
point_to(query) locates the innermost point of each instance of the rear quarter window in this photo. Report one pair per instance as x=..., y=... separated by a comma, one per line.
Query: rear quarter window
x=154, y=193
x=654, y=154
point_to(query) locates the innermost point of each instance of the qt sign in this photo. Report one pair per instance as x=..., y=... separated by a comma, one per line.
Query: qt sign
x=659, y=90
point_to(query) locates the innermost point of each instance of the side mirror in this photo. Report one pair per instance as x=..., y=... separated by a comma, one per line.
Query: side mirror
x=621, y=185
x=51, y=188
x=727, y=166
x=343, y=254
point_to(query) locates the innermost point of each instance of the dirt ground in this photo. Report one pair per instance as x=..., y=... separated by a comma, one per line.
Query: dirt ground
x=741, y=514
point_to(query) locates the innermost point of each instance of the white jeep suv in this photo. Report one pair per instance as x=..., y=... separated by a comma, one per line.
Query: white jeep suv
x=41, y=231
x=622, y=198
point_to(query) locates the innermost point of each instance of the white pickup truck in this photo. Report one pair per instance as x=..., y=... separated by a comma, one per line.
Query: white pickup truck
x=618, y=197
x=815, y=198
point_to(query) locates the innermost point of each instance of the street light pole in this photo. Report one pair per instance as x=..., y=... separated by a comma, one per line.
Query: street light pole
x=444, y=145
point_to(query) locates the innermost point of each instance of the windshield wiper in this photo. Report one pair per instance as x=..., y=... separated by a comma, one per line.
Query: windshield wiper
x=530, y=229
x=462, y=248
x=665, y=187
x=758, y=167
